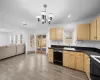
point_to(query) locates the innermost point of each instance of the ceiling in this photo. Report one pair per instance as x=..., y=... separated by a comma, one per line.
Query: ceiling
x=14, y=12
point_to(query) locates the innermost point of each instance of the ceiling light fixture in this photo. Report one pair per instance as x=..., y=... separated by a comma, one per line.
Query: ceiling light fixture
x=43, y=17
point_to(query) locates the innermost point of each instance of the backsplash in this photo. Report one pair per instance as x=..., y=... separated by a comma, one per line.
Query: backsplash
x=56, y=42
x=95, y=44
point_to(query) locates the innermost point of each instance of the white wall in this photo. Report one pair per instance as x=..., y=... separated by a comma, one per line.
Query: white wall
x=3, y=39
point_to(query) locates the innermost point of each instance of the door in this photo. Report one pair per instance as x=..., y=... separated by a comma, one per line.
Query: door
x=98, y=28
x=93, y=30
x=66, y=58
x=31, y=40
x=41, y=44
x=72, y=60
x=79, y=61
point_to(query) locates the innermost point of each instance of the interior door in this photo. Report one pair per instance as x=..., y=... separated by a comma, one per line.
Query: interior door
x=41, y=44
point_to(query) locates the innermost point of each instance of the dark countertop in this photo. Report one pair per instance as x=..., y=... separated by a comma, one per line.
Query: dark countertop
x=87, y=50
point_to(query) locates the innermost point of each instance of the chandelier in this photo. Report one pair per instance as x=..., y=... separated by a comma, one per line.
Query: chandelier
x=43, y=17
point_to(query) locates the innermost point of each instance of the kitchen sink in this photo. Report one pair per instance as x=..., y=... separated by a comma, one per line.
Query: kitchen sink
x=73, y=49
x=95, y=57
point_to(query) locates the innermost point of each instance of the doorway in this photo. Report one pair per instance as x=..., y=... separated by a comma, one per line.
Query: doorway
x=41, y=44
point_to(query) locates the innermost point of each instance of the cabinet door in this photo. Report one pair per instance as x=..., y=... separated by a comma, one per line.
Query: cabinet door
x=82, y=32
x=98, y=28
x=52, y=34
x=93, y=30
x=66, y=58
x=79, y=61
x=87, y=65
x=72, y=60
x=59, y=33
x=50, y=55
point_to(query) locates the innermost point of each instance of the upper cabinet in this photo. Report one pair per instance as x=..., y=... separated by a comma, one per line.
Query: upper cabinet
x=56, y=33
x=52, y=33
x=83, y=32
x=93, y=30
x=98, y=28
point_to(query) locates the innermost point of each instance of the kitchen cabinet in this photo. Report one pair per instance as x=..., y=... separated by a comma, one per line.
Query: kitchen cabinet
x=72, y=59
x=50, y=55
x=66, y=58
x=83, y=32
x=56, y=33
x=93, y=30
x=52, y=34
x=79, y=61
x=75, y=60
x=59, y=34
x=87, y=65
x=98, y=28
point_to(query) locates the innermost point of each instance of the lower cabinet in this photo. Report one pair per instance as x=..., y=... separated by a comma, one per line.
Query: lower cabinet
x=77, y=60
x=87, y=65
x=50, y=55
x=66, y=58
x=72, y=60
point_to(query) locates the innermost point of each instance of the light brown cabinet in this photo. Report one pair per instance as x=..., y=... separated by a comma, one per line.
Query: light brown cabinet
x=83, y=32
x=72, y=59
x=79, y=61
x=59, y=34
x=98, y=28
x=56, y=33
x=87, y=65
x=50, y=55
x=52, y=33
x=93, y=30
x=66, y=56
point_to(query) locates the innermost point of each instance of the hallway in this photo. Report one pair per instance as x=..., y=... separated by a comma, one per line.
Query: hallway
x=35, y=67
